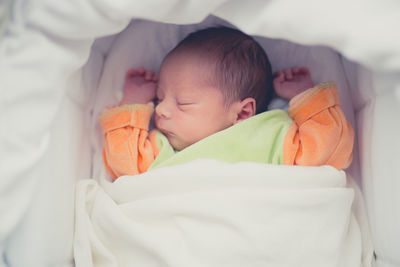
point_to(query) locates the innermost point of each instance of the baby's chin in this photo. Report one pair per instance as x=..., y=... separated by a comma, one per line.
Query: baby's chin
x=177, y=144
x=174, y=140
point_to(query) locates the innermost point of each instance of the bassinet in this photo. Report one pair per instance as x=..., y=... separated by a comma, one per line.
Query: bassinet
x=50, y=71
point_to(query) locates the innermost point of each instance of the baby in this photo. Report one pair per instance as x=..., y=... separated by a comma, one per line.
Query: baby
x=209, y=90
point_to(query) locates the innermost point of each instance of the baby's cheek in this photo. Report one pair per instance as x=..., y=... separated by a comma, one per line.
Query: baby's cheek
x=194, y=131
x=191, y=128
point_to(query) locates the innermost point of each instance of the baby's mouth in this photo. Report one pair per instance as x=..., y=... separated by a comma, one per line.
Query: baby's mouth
x=162, y=129
x=167, y=133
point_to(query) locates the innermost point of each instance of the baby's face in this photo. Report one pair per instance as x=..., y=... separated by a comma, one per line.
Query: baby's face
x=189, y=108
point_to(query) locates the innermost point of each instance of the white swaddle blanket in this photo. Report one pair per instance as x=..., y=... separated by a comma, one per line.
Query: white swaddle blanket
x=211, y=213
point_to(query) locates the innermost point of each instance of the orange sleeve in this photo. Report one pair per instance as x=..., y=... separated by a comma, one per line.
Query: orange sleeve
x=320, y=133
x=128, y=149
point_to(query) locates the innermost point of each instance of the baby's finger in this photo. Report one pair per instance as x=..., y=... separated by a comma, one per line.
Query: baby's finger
x=148, y=75
x=277, y=73
x=288, y=74
x=280, y=77
x=304, y=70
x=155, y=78
x=130, y=72
x=295, y=70
x=141, y=71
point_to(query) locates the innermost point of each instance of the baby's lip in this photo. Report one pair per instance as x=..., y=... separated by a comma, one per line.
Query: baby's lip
x=167, y=133
x=163, y=130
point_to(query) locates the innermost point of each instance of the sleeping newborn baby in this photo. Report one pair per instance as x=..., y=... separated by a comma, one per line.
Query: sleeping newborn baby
x=210, y=102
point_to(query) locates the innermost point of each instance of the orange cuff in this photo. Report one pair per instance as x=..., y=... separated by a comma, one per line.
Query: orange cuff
x=314, y=100
x=136, y=115
x=320, y=133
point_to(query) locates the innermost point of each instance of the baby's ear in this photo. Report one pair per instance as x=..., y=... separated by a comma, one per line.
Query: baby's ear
x=246, y=109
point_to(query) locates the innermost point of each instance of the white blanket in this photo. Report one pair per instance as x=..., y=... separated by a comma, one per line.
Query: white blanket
x=209, y=213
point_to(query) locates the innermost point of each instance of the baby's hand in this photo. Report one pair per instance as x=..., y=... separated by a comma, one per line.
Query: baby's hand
x=291, y=82
x=140, y=87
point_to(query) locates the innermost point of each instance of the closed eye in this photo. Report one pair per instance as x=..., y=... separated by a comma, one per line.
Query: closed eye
x=185, y=106
x=185, y=103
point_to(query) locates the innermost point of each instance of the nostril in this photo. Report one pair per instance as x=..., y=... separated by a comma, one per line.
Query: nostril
x=161, y=111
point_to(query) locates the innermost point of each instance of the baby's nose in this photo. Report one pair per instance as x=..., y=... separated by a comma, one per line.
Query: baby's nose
x=162, y=110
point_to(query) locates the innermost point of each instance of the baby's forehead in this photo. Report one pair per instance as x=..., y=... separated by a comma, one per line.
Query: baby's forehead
x=191, y=58
x=187, y=67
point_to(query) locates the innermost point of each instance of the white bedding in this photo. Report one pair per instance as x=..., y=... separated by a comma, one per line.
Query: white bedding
x=210, y=213
x=45, y=134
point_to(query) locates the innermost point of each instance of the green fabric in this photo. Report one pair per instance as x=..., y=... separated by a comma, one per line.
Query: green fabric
x=257, y=139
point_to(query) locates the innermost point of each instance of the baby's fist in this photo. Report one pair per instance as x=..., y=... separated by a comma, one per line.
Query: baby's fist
x=290, y=82
x=140, y=87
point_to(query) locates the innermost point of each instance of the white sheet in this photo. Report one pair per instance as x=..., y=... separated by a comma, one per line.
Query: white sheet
x=210, y=213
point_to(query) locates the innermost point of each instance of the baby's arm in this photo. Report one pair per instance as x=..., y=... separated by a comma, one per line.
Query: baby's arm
x=128, y=147
x=320, y=133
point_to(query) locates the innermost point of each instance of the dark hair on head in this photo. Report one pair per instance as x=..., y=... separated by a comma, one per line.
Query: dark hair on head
x=242, y=68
